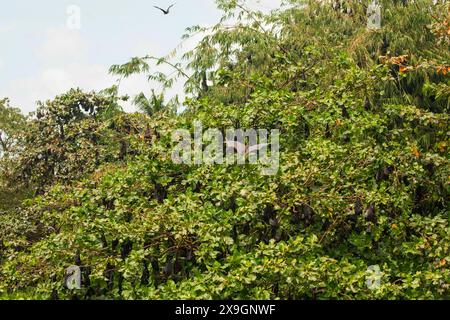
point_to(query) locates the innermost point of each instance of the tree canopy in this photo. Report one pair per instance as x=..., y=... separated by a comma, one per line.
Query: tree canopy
x=363, y=178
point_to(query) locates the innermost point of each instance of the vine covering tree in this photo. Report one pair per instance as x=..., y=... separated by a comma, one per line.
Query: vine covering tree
x=363, y=178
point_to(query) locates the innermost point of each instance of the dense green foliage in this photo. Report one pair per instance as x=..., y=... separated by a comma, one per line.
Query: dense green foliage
x=363, y=178
x=12, y=124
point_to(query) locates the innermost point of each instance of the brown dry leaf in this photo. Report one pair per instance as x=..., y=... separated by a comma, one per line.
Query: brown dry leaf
x=443, y=70
x=399, y=60
x=416, y=152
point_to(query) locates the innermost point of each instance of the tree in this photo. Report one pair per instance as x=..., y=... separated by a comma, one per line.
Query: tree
x=11, y=124
x=362, y=183
x=69, y=137
x=151, y=105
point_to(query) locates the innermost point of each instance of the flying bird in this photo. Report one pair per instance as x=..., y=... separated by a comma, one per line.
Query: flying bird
x=242, y=148
x=167, y=11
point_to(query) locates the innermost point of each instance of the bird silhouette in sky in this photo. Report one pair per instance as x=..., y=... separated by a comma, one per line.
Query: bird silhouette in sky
x=166, y=11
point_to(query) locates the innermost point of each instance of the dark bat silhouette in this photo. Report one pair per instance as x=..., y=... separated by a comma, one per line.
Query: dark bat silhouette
x=370, y=214
x=167, y=11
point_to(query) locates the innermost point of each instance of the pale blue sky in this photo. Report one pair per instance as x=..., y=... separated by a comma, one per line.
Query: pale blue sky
x=41, y=57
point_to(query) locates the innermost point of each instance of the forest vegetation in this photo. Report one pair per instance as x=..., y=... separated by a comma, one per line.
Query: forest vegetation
x=363, y=181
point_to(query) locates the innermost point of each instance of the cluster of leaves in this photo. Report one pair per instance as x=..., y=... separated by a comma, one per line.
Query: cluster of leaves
x=363, y=177
x=69, y=137
x=12, y=124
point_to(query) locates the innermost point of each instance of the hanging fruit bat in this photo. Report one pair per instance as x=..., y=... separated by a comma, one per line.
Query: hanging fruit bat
x=370, y=214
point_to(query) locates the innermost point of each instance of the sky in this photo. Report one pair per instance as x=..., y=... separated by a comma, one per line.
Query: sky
x=50, y=46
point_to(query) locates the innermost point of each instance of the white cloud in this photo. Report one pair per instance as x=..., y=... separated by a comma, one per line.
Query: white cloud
x=146, y=48
x=62, y=46
x=25, y=92
x=7, y=27
x=64, y=57
x=4, y=28
x=50, y=82
x=65, y=65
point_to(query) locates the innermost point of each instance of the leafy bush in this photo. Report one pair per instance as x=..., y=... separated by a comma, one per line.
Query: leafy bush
x=363, y=176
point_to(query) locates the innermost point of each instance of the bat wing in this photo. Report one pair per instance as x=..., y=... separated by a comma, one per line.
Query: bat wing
x=257, y=147
x=160, y=9
x=239, y=147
